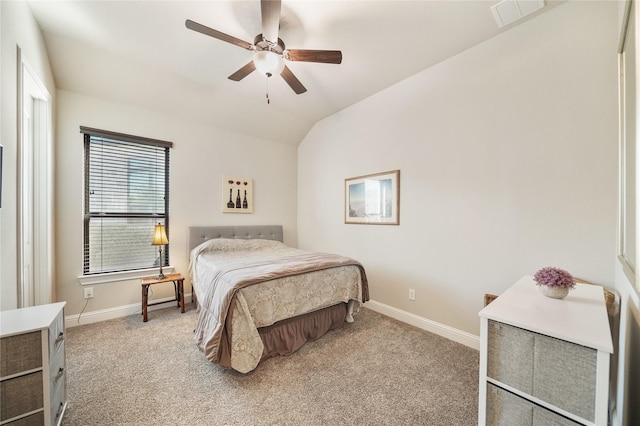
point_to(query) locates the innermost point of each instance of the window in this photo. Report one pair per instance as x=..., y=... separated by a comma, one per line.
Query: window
x=126, y=193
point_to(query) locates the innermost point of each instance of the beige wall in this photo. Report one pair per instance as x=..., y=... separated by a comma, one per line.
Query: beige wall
x=508, y=160
x=201, y=155
x=17, y=29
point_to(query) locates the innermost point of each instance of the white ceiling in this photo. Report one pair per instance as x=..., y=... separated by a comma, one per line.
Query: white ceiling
x=141, y=53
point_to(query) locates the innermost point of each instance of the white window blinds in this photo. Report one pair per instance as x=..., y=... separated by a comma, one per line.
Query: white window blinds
x=126, y=183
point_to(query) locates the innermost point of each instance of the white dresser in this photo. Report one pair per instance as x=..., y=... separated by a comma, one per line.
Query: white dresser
x=33, y=389
x=544, y=361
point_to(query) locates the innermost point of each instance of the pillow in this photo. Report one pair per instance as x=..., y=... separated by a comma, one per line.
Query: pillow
x=231, y=244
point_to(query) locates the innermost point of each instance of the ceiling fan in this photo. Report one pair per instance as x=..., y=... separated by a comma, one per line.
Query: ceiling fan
x=270, y=51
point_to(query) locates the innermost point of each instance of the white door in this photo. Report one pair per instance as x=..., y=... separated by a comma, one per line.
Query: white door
x=25, y=217
x=35, y=253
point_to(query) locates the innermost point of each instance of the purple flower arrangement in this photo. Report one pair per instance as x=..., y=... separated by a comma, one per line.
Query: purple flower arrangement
x=554, y=277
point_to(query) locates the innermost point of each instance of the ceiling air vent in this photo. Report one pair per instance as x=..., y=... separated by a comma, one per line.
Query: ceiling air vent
x=509, y=11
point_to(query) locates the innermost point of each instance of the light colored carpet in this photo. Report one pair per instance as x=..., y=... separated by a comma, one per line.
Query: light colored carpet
x=375, y=371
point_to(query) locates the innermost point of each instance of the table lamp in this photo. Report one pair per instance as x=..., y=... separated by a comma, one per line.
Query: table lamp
x=160, y=239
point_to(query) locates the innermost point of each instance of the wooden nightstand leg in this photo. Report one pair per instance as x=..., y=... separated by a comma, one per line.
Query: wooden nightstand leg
x=181, y=295
x=176, y=292
x=145, y=300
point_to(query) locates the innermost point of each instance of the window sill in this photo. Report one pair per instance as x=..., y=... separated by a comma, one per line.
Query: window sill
x=112, y=277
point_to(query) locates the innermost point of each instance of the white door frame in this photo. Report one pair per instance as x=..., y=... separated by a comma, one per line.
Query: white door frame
x=35, y=189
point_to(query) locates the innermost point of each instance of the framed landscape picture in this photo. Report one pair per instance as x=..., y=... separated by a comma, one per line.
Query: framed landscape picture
x=373, y=199
x=237, y=194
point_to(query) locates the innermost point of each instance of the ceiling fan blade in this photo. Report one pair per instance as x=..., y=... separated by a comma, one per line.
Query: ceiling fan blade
x=217, y=34
x=292, y=81
x=323, y=56
x=243, y=72
x=270, y=19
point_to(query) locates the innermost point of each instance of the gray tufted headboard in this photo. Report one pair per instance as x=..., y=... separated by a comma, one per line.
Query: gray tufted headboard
x=200, y=234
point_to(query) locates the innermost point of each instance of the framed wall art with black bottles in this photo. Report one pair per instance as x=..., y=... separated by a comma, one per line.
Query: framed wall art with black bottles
x=237, y=194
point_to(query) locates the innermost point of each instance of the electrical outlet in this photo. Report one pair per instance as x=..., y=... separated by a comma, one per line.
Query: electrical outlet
x=412, y=294
x=88, y=293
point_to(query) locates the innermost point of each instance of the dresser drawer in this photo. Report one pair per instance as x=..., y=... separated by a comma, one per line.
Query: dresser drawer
x=57, y=373
x=56, y=333
x=507, y=409
x=58, y=401
x=21, y=395
x=22, y=352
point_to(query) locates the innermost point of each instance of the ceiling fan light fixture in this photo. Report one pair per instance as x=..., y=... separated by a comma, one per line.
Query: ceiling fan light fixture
x=268, y=63
x=269, y=51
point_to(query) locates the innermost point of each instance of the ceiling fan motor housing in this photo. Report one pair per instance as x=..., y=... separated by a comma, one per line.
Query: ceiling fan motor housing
x=261, y=44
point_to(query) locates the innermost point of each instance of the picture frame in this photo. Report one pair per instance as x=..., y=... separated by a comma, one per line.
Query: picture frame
x=237, y=194
x=373, y=199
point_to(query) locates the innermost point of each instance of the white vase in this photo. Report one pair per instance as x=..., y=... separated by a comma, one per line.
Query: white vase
x=554, y=292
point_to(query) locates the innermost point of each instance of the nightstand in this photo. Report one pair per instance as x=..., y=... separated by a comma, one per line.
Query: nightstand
x=178, y=285
x=544, y=361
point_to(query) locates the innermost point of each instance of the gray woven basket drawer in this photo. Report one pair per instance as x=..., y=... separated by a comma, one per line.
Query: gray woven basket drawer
x=558, y=372
x=21, y=395
x=19, y=353
x=507, y=409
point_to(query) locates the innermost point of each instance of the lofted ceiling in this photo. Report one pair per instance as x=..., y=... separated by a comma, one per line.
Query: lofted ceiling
x=140, y=53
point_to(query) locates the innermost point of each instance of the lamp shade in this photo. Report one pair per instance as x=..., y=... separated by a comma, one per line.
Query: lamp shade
x=268, y=63
x=160, y=236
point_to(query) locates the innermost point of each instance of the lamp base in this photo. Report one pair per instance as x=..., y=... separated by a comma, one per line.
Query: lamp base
x=160, y=276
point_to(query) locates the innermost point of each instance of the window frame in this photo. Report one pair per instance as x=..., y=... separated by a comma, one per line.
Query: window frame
x=95, y=277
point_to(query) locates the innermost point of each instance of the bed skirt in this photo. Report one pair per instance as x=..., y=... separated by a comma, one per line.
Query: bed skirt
x=287, y=336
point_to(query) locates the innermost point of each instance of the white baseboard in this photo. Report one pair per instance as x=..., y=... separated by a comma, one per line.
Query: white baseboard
x=117, y=312
x=450, y=333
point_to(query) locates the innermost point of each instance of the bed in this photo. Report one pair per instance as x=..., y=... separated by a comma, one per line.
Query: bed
x=258, y=297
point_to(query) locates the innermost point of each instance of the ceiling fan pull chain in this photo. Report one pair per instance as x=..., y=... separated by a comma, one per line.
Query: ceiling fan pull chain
x=268, y=100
